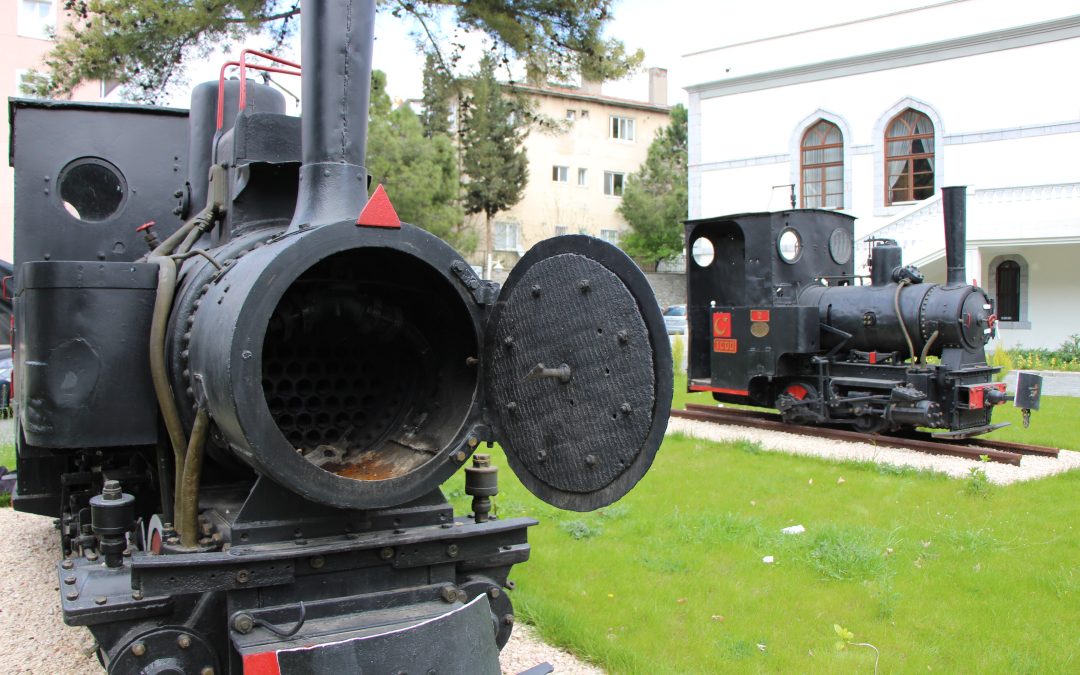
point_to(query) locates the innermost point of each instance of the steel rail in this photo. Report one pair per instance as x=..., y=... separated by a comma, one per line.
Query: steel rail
x=773, y=422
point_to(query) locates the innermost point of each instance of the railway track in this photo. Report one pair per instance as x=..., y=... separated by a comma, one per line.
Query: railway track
x=969, y=448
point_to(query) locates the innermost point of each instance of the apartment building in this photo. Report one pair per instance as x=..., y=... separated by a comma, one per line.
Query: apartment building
x=577, y=173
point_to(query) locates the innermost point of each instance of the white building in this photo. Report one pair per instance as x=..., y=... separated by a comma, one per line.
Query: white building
x=875, y=116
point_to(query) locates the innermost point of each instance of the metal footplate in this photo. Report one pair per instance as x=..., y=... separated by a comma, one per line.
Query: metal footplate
x=423, y=638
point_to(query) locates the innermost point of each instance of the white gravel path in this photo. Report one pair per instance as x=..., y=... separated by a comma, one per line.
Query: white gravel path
x=1031, y=467
x=35, y=639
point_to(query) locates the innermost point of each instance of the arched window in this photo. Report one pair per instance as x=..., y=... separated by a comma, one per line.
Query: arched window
x=909, y=158
x=822, y=167
x=1008, y=291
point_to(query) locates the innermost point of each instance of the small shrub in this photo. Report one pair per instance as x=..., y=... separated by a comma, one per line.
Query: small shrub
x=581, y=529
x=844, y=554
x=978, y=483
x=678, y=353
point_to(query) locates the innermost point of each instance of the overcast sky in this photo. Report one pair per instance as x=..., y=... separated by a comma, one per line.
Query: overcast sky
x=665, y=29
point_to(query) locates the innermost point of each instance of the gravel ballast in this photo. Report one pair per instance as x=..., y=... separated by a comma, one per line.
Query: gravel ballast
x=1031, y=466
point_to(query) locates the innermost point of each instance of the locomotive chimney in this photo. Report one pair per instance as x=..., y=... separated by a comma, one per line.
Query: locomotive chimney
x=954, y=203
x=336, y=39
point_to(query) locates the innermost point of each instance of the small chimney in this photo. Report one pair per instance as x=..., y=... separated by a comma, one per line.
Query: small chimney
x=590, y=87
x=954, y=205
x=658, y=86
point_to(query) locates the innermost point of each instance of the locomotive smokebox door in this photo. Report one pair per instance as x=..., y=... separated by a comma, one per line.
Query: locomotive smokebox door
x=578, y=372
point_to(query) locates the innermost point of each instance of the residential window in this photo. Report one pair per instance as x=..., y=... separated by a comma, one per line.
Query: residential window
x=571, y=114
x=561, y=230
x=36, y=18
x=584, y=114
x=823, y=167
x=582, y=177
x=613, y=183
x=506, y=236
x=909, y=158
x=560, y=174
x=622, y=128
x=1008, y=291
x=610, y=236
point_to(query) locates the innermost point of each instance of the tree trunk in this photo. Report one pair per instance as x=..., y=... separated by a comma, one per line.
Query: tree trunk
x=490, y=247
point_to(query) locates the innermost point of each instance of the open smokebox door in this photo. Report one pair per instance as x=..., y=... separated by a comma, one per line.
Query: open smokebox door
x=577, y=370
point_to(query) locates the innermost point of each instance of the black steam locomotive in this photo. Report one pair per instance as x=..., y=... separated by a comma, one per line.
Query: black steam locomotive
x=240, y=383
x=778, y=318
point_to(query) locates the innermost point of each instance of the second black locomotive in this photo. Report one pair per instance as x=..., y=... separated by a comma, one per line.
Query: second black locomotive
x=778, y=318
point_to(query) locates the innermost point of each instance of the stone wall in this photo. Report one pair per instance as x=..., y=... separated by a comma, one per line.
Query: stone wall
x=670, y=287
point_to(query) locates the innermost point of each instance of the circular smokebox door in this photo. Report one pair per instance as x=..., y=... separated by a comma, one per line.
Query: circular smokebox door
x=578, y=372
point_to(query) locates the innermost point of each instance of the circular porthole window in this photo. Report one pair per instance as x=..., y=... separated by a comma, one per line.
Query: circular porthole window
x=789, y=245
x=702, y=252
x=91, y=189
x=840, y=246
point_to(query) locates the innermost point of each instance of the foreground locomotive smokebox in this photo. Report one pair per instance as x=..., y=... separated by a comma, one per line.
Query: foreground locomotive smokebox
x=346, y=365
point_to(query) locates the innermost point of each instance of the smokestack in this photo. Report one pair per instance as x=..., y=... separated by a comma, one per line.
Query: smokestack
x=954, y=203
x=336, y=39
x=658, y=86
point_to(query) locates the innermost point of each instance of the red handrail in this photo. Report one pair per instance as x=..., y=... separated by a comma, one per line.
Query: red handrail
x=291, y=69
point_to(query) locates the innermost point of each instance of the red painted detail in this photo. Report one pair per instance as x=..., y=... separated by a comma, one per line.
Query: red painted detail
x=264, y=663
x=3, y=289
x=873, y=358
x=379, y=212
x=725, y=346
x=145, y=226
x=759, y=315
x=991, y=320
x=155, y=542
x=290, y=68
x=719, y=390
x=721, y=324
x=967, y=320
x=975, y=398
x=797, y=391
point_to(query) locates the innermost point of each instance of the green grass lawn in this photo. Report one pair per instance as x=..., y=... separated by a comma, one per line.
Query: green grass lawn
x=938, y=575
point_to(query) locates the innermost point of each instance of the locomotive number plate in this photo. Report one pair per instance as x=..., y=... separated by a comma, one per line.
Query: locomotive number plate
x=725, y=346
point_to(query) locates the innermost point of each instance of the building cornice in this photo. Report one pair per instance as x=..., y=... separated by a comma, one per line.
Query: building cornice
x=1000, y=40
x=592, y=98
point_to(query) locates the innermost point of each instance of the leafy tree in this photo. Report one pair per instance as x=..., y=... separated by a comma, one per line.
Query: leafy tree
x=142, y=43
x=654, y=200
x=439, y=90
x=492, y=133
x=419, y=173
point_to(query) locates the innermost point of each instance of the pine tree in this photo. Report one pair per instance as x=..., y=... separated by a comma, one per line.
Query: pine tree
x=654, y=200
x=492, y=133
x=143, y=44
x=419, y=174
x=439, y=91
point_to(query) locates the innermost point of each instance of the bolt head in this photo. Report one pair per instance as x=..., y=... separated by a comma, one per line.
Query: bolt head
x=590, y=460
x=136, y=595
x=100, y=600
x=138, y=649
x=508, y=619
x=73, y=595
x=495, y=591
x=69, y=579
x=386, y=553
x=316, y=562
x=448, y=593
x=243, y=623
x=184, y=641
x=459, y=456
x=67, y=564
x=452, y=550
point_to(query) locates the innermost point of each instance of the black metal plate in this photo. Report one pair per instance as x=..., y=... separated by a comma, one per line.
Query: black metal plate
x=578, y=443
